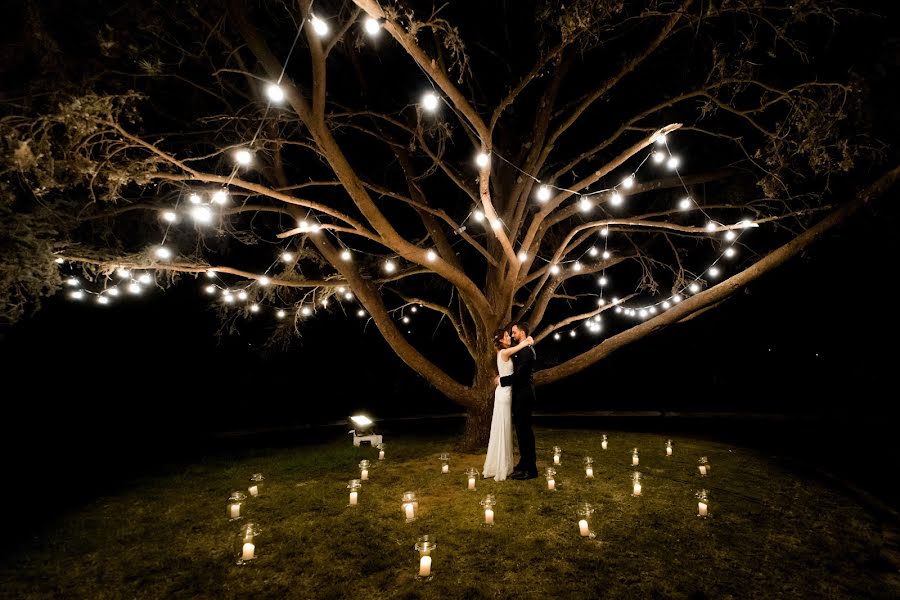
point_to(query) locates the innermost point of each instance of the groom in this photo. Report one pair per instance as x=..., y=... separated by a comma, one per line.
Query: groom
x=523, y=398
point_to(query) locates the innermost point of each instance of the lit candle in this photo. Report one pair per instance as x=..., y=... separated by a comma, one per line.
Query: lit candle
x=247, y=552
x=425, y=566
x=364, y=474
x=381, y=455
x=703, y=508
x=410, y=511
x=445, y=469
x=702, y=469
x=353, y=498
x=603, y=444
x=551, y=484
x=668, y=450
x=637, y=489
x=254, y=490
x=234, y=511
x=583, y=528
x=488, y=516
x=556, y=459
x=589, y=472
x=634, y=459
x=471, y=483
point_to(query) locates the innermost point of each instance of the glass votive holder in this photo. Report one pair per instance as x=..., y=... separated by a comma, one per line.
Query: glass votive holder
x=354, y=486
x=669, y=448
x=381, y=451
x=488, y=503
x=636, y=484
x=634, y=458
x=471, y=476
x=234, y=505
x=245, y=547
x=703, y=466
x=557, y=455
x=588, y=467
x=364, y=470
x=410, y=506
x=584, y=521
x=425, y=546
x=604, y=442
x=445, y=463
x=255, y=484
x=703, y=504
x=551, y=478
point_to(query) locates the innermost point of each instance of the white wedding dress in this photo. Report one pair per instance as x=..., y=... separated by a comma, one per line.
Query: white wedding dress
x=499, y=460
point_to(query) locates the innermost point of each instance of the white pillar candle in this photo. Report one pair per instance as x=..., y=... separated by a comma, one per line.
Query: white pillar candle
x=381, y=455
x=234, y=511
x=603, y=444
x=445, y=469
x=702, y=470
x=410, y=510
x=247, y=551
x=354, y=498
x=425, y=567
x=589, y=472
x=634, y=460
x=471, y=483
x=488, y=516
x=637, y=489
x=556, y=459
x=583, y=528
x=364, y=474
x=551, y=484
x=254, y=490
x=701, y=506
x=668, y=450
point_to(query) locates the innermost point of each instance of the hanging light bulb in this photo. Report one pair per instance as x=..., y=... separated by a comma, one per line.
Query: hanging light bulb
x=170, y=216
x=661, y=139
x=616, y=199
x=59, y=261
x=414, y=309
x=710, y=226
x=254, y=308
x=615, y=300
x=242, y=295
x=264, y=281
x=543, y=193
x=243, y=157
x=227, y=297
x=280, y=314
x=730, y=252
x=319, y=26
x=643, y=313
x=694, y=288
x=210, y=289
x=431, y=255
x=482, y=159
x=556, y=336
x=163, y=253
x=220, y=197
x=274, y=92
x=673, y=163
x=341, y=290
x=389, y=266
x=606, y=255
x=652, y=310
x=601, y=302
x=306, y=311
x=714, y=271
x=195, y=199
x=666, y=304
x=102, y=300
x=746, y=223
x=113, y=291
x=554, y=269
x=730, y=235
x=572, y=333
x=618, y=309
x=71, y=281
x=372, y=26
x=134, y=288
x=201, y=214
x=478, y=216
x=430, y=101
x=523, y=256
x=348, y=296
x=658, y=157
x=676, y=298
x=360, y=313
x=406, y=319
x=684, y=204
x=603, y=281
x=315, y=228
x=345, y=255
x=496, y=224
x=584, y=204
x=628, y=182
x=576, y=267
x=604, y=232
x=593, y=251
x=287, y=256
x=76, y=295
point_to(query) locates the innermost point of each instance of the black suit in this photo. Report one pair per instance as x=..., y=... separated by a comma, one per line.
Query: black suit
x=522, y=382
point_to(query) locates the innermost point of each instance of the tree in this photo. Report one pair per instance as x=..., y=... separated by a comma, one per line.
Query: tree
x=550, y=133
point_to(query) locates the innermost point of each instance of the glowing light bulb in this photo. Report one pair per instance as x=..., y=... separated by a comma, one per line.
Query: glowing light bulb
x=102, y=300
x=730, y=252
x=348, y=296
x=730, y=235
x=72, y=281
x=360, y=313
x=163, y=253
x=676, y=298
x=341, y=290
x=76, y=295
x=431, y=255
x=406, y=319
x=227, y=297
x=746, y=223
x=201, y=214
x=243, y=157
x=694, y=288
x=430, y=101
x=414, y=309
x=496, y=224
x=210, y=289
x=113, y=291
x=543, y=193
x=556, y=336
x=264, y=281
x=604, y=232
x=714, y=271
x=345, y=255
x=274, y=92
x=220, y=197
x=482, y=159
x=606, y=254
x=643, y=313
x=372, y=26
x=618, y=309
x=211, y=274
x=652, y=310
x=673, y=163
x=170, y=216
x=593, y=251
x=710, y=226
x=628, y=182
x=554, y=269
x=254, y=308
x=661, y=139
x=584, y=204
x=59, y=261
x=572, y=333
x=280, y=314
x=314, y=228
x=577, y=266
x=603, y=281
x=319, y=26
x=195, y=199
x=658, y=157
x=303, y=226
x=306, y=311
x=523, y=256
x=615, y=300
x=287, y=256
x=478, y=216
x=242, y=295
x=134, y=288
x=389, y=266
x=616, y=199
x=666, y=304
x=684, y=204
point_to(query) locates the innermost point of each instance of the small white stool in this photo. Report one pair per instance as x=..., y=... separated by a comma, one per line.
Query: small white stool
x=373, y=439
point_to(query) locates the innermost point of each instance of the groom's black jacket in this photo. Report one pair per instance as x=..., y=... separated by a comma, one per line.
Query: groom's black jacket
x=522, y=379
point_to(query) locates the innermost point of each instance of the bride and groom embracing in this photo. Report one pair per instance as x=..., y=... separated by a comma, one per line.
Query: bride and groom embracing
x=513, y=403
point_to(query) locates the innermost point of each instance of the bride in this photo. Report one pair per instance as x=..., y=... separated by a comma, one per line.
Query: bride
x=499, y=460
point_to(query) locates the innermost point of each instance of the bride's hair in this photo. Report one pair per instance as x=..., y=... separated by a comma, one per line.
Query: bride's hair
x=498, y=339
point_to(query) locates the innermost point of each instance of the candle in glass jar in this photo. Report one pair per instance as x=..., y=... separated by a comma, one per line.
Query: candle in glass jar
x=603, y=444
x=254, y=490
x=364, y=474
x=551, y=484
x=668, y=450
x=354, y=498
x=410, y=511
x=589, y=472
x=247, y=551
x=488, y=516
x=702, y=469
x=583, y=528
x=556, y=459
x=634, y=460
x=703, y=508
x=381, y=455
x=471, y=483
x=445, y=469
x=637, y=489
x=234, y=511
x=425, y=566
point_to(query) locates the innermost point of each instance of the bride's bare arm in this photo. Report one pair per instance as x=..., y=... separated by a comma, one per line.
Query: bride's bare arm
x=506, y=353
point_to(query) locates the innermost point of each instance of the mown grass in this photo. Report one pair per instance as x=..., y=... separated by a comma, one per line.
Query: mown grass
x=772, y=534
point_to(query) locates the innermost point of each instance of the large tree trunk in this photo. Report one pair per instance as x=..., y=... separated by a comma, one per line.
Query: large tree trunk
x=478, y=424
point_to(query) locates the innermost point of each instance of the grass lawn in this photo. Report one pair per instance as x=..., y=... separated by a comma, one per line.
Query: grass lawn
x=771, y=534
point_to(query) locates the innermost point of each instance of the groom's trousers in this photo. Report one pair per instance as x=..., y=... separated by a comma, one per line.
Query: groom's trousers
x=525, y=435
